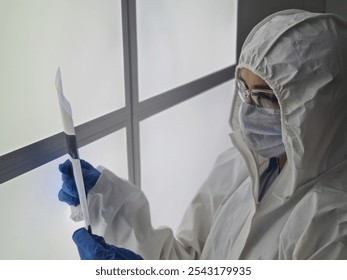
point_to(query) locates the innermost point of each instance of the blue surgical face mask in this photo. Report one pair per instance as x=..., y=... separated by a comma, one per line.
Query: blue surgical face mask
x=261, y=128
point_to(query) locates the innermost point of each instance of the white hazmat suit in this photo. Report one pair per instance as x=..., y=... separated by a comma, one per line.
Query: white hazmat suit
x=302, y=56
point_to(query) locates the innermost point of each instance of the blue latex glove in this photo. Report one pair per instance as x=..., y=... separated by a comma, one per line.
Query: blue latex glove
x=94, y=247
x=68, y=192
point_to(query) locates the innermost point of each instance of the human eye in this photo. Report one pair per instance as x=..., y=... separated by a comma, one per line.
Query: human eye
x=265, y=99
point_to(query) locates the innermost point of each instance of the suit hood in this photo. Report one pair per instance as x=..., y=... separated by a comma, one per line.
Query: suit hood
x=303, y=57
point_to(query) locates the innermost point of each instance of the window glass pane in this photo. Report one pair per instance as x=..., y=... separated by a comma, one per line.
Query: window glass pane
x=178, y=149
x=182, y=40
x=84, y=38
x=34, y=223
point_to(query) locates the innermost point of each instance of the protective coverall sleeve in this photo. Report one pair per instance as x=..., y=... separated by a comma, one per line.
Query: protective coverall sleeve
x=119, y=212
x=317, y=228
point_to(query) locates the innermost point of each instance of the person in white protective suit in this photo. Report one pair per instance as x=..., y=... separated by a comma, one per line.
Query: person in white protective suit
x=280, y=191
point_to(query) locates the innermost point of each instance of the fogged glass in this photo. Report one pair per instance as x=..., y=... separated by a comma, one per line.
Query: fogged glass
x=84, y=38
x=178, y=149
x=182, y=40
x=34, y=223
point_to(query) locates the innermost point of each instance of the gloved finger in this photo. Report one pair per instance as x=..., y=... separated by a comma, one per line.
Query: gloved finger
x=81, y=235
x=67, y=177
x=66, y=167
x=87, y=170
x=88, y=246
x=100, y=240
x=67, y=170
x=71, y=200
x=69, y=186
x=86, y=165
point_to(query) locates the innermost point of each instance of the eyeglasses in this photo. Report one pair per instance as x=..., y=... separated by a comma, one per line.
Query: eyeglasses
x=261, y=97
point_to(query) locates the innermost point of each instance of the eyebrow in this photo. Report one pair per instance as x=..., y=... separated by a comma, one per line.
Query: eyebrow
x=256, y=86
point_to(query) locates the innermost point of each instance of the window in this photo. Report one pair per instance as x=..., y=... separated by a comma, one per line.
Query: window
x=180, y=41
x=84, y=38
x=137, y=76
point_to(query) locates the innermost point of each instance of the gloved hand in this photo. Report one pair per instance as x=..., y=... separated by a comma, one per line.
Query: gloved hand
x=94, y=247
x=68, y=192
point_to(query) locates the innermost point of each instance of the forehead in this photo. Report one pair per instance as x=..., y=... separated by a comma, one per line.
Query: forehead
x=252, y=80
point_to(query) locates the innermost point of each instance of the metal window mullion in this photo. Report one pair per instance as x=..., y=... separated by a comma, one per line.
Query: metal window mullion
x=131, y=87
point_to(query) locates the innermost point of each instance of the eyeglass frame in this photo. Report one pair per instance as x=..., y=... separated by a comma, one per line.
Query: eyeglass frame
x=250, y=93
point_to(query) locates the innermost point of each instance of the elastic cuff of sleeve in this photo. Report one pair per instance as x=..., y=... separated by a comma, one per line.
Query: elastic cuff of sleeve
x=76, y=213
